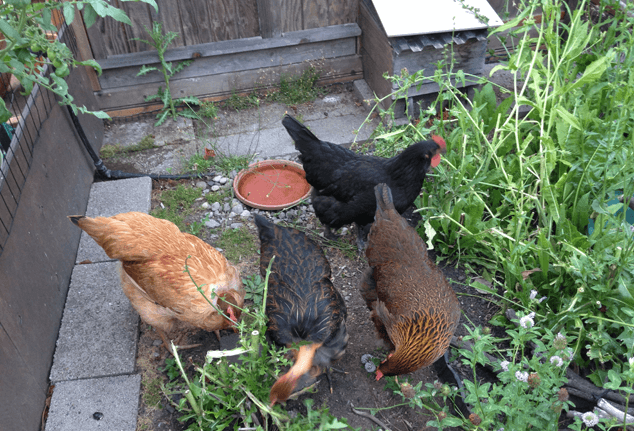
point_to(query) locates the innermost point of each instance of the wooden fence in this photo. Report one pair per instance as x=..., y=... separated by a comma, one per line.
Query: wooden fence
x=237, y=46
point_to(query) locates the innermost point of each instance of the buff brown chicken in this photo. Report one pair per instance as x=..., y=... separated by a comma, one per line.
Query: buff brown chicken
x=413, y=307
x=302, y=305
x=153, y=254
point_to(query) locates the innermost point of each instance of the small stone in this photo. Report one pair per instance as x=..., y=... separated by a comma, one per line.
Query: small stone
x=205, y=205
x=245, y=214
x=236, y=225
x=223, y=180
x=201, y=184
x=227, y=207
x=235, y=202
x=232, y=214
x=212, y=224
x=237, y=209
x=217, y=178
x=215, y=206
x=157, y=343
x=215, y=188
x=344, y=230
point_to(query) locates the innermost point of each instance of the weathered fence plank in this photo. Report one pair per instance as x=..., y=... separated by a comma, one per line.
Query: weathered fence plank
x=315, y=14
x=221, y=86
x=194, y=17
x=248, y=24
x=126, y=77
x=139, y=14
x=235, y=46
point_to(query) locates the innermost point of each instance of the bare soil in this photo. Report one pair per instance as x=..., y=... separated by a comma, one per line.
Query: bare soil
x=357, y=388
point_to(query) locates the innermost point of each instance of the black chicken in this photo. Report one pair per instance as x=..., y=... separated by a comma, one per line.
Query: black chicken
x=343, y=181
x=302, y=306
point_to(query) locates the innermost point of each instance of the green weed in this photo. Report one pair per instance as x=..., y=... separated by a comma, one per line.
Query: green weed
x=228, y=163
x=208, y=110
x=218, y=196
x=160, y=42
x=237, y=243
x=108, y=151
x=240, y=103
x=297, y=90
x=198, y=164
x=254, y=287
x=177, y=204
x=515, y=195
x=152, y=392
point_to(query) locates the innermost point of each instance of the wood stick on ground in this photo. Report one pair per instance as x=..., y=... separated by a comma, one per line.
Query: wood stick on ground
x=371, y=417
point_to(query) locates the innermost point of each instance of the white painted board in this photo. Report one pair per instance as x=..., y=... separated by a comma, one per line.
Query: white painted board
x=410, y=17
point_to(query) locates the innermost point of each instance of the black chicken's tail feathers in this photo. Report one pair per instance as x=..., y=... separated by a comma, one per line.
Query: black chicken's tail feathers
x=75, y=219
x=265, y=227
x=299, y=133
x=384, y=199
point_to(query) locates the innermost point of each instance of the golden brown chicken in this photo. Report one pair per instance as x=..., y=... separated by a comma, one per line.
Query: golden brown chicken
x=414, y=309
x=153, y=253
x=302, y=305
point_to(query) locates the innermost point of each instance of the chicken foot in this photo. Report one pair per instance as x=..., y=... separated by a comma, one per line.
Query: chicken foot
x=328, y=371
x=168, y=344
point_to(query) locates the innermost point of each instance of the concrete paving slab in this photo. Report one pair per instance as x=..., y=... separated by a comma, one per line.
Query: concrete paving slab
x=276, y=142
x=76, y=405
x=110, y=198
x=99, y=330
x=180, y=130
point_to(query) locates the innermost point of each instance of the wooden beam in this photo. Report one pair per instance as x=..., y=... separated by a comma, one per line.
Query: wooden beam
x=223, y=85
x=261, y=59
x=225, y=47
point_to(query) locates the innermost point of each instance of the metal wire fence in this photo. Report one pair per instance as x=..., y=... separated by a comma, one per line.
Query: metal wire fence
x=19, y=137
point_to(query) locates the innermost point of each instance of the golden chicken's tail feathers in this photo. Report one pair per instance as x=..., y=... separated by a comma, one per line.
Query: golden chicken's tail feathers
x=285, y=386
x=75, y=219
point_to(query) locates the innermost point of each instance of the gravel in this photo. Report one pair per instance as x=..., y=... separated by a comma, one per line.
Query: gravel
x=231, y=213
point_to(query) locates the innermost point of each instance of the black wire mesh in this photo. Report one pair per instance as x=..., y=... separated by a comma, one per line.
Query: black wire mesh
x=19, y=135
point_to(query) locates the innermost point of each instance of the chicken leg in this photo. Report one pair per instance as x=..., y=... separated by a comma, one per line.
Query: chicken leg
x=168, y=344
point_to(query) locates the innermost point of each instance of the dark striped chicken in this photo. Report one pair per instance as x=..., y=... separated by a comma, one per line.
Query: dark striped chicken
x=414, y=309
x=302, y=306
x=343, y=181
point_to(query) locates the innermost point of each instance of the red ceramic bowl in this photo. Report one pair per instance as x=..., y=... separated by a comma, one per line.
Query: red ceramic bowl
x=271, y=184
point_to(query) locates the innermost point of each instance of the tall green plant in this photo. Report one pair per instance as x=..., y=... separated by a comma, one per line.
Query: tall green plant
x=161, y=41
x=522, y=177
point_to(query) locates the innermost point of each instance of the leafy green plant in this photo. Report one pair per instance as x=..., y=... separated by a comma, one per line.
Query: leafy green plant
x=198, y=163
x=522, y=177
x=254, y=287
x=28, y=49
x=208, y=110
x=161, y=41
